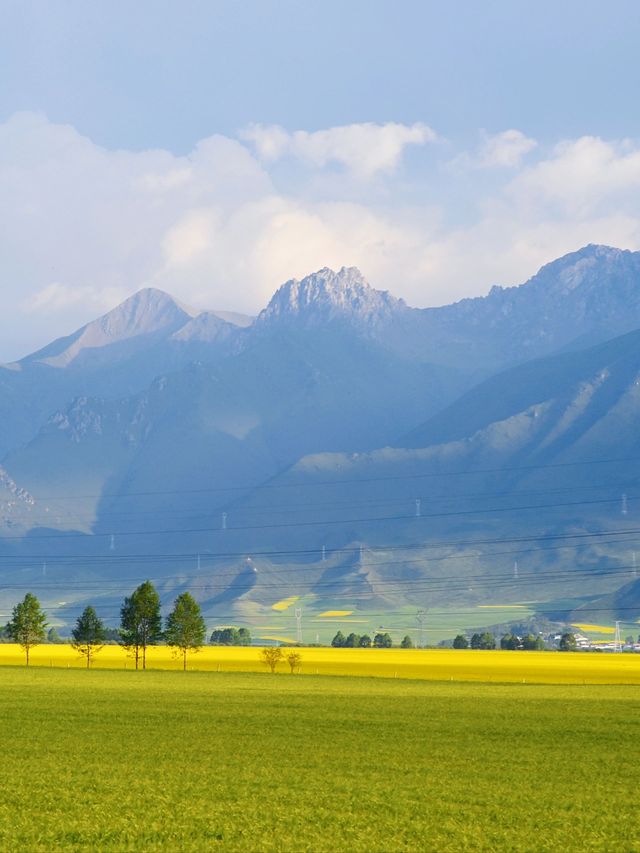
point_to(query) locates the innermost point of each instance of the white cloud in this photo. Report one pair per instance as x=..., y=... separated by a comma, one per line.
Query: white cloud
x=581, y=176
x=82, y=227
x=364, y=149
x=56, y=297
x=505, y=149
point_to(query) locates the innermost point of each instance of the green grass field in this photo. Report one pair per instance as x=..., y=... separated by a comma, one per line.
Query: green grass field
x=115, y=761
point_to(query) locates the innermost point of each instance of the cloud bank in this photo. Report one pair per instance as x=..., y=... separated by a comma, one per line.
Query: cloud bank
x=82, y=227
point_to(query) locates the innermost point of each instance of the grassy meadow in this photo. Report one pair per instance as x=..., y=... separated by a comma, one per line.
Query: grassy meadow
x=168, y=761
x=425, y=664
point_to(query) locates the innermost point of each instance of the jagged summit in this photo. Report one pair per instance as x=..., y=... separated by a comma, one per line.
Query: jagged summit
x=591, y=264
x=326, y=295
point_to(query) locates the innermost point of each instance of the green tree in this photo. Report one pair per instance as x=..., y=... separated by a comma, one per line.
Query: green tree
x=407, y=642
x=27, y=624
x=186, y=630
x=230, y=637
x=460, y=642
x=271, y=656
x=382, y=641
x=88, y=635
x=568, y=642
x=53, y=636
x=531, y=642
x=244, y=637
x=365, y=641
x=338, y=641
x=111, y=635
x=483, y=641
x=352, y=641
x=509, y=641
x=294, y=659
x=140, y=622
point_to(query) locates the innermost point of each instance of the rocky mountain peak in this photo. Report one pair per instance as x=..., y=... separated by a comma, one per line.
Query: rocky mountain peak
x=329, y=295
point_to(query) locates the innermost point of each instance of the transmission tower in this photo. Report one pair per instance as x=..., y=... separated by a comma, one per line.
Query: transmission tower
x=324, y=554
x=418, y=507
x=112, y=544
x=299, y=625
x=617, y=642
x=421, y=616
x=515, y=570
x=633, y=563
x=224, y=520
x=625, y=509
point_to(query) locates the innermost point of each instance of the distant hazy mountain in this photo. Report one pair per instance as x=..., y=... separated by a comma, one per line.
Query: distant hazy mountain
x=541, y=451
x=154, y=419
x=116, y=355
x=583, y=298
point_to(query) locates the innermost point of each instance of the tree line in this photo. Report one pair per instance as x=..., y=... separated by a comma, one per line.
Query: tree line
x=140, y=626
x=363, y=641
x=512, y=642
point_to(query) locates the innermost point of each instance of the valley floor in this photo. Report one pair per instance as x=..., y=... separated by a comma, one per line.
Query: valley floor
x=425, y=664
x=119, y=761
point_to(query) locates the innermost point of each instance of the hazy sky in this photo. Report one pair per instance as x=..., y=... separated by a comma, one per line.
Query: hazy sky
x=215, y=149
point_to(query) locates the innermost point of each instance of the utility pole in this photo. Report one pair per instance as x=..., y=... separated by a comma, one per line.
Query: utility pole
x=112, y=544
x=224, y=520
x=625, y=508
x=515, y=570
x=418, y=507
x=198, y=562
x=324, y=554
x=44, y=569
x=633, y=563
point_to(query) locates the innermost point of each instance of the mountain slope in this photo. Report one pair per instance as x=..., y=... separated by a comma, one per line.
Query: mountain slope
x=115, y=355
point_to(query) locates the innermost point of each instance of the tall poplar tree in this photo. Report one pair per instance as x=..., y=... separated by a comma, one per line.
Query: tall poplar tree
x=88, y=634
x=186, y=630
x=28, y=623
x=140, y=622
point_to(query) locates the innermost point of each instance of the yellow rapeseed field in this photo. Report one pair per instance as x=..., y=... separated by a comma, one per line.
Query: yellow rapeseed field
x=593, y=629
x=431, y=664
x=336, y=613
x=285, y=604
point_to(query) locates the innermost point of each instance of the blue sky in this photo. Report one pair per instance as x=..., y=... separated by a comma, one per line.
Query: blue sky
x=217, y=148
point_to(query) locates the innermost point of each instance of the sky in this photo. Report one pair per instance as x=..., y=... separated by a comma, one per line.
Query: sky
x=216, y=149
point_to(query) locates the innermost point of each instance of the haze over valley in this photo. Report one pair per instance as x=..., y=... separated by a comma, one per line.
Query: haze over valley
x=341, y=449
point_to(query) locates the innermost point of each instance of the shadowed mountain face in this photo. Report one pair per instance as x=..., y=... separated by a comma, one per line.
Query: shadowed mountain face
x=154, y=420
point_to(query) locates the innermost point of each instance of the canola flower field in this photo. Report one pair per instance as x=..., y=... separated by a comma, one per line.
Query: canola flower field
x=237, y=762
x=424, y=664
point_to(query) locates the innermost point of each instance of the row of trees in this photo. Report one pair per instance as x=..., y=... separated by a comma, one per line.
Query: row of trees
x=529, y=642
x=358, y=641
x=230, y=637
x=273, y=655
x=140, y=626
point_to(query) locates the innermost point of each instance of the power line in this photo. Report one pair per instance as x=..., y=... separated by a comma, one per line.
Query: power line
x=302, y=552
x=297, y=524
x=272, y=485
x=432, y=584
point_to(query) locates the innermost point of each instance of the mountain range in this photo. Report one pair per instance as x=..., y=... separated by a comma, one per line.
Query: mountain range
x=340, y=447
